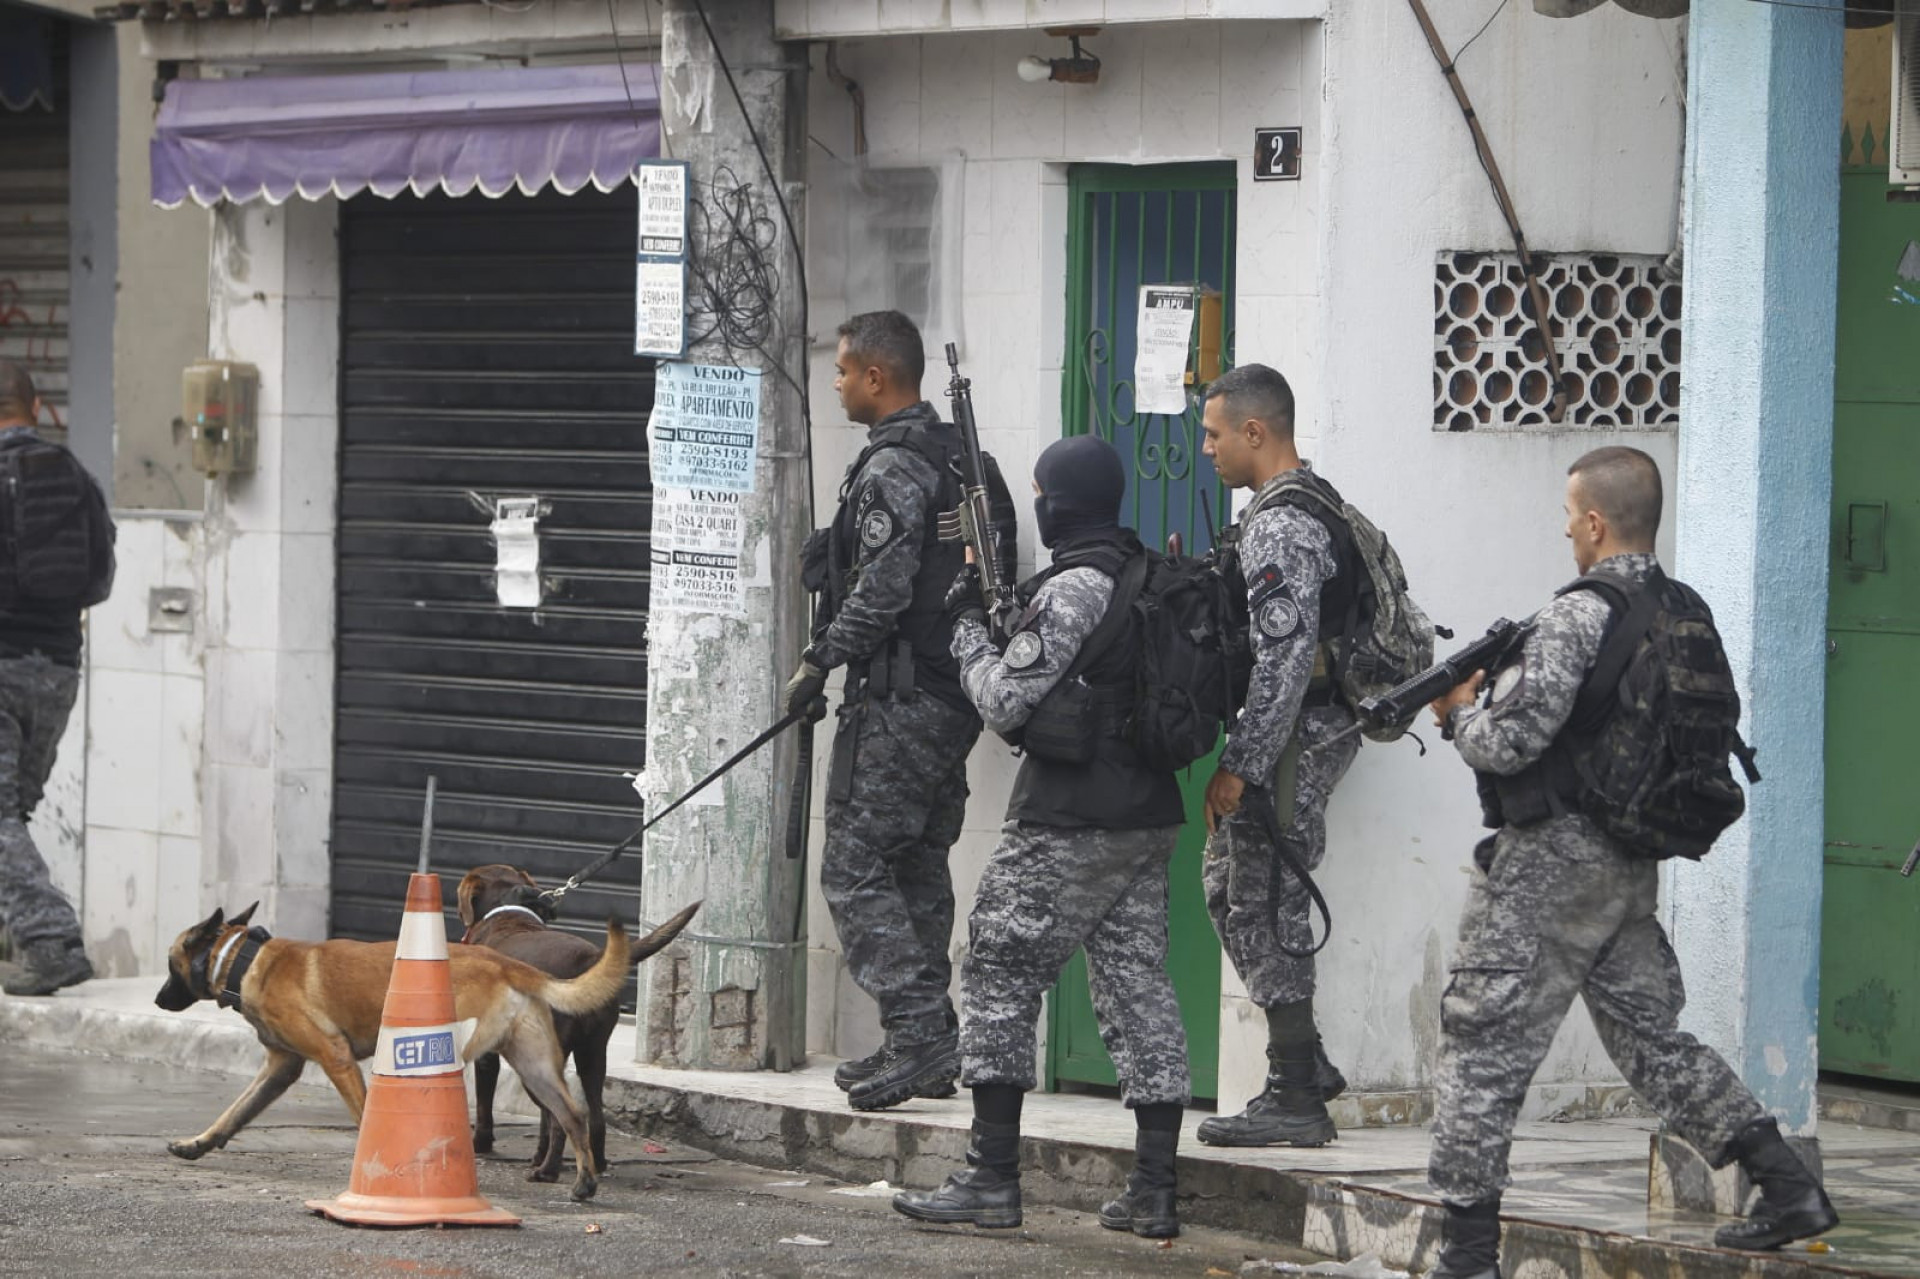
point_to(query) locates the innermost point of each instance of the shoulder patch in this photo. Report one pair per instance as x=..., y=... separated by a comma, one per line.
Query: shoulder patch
x=1279, y=616
x=1023, y=651
x=1508, y=682
x=876, y=527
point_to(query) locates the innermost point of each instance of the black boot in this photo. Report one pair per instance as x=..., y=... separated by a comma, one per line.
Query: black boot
x=858, y=1070
x=1291, y=1112
x=986, y=1194
x=1146, y=1206
x=918, y=1070
x=1791, y=1205
x=1472, y=1237
x=1326, y=1075
x=47, y=966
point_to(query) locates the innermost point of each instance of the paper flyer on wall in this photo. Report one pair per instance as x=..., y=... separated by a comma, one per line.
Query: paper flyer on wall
x=1164, y=334
x=697, y=537
x=705, y=426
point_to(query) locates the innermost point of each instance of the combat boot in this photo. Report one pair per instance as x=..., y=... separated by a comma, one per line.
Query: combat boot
x=1471, y=1234
x=1326, y=1076
x=1791, y=1204
x=919, y=1070
x=1146, y=1206
x=46, y=966
x=1291, y=1112
x=859, y=1069
x=986, y=1194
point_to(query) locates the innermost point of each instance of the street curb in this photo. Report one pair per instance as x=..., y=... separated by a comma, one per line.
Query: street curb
x=1314, y=1211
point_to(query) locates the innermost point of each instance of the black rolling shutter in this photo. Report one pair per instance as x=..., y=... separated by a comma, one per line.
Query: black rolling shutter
x=488, y=352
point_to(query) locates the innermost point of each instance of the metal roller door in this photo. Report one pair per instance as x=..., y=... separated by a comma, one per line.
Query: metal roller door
x=487, y=352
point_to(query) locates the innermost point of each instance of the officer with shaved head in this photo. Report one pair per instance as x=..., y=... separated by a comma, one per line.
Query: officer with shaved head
x=1563, y=906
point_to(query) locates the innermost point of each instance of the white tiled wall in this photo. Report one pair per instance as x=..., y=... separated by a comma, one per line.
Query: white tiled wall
x=144, y=714
x=208, y=752
x=1167, y=93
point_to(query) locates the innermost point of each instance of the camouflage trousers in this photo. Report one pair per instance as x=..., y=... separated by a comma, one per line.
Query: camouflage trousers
x=1560, y=911
x=1046, y=892
x=884, y=871
x=36, y=696
x=1258, y=905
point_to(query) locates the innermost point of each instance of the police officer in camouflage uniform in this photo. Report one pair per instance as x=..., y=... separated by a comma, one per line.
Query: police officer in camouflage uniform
x=1561, y=909
x=898, y=779
x=39, y=678
x=1270, y=766
x=1083, y=857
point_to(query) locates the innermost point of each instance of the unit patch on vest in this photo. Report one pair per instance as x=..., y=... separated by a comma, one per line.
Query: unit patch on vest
x=876, y=528
x=1022, y=651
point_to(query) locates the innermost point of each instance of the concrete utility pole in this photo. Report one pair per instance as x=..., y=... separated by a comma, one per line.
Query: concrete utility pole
x=733, y=997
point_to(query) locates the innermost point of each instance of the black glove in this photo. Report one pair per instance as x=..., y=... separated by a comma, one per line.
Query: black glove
x=963, y=597
x=808, y=686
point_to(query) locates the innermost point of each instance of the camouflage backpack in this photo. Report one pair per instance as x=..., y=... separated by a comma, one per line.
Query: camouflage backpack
x=1376, y=636
x=1656, y=722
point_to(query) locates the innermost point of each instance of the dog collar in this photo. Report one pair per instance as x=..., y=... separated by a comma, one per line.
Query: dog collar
x=530, y=913
x=228, y=994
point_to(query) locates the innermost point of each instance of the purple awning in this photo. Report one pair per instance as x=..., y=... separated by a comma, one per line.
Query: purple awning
x=498, y=129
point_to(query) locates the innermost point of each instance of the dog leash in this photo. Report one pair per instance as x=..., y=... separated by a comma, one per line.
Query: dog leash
x=780, y=726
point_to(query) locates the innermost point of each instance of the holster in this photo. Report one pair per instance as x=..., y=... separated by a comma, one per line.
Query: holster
x=846, y=745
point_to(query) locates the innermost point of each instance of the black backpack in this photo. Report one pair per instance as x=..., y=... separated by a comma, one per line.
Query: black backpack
x=58, y=536
x=1195, y=658
x=1656, y=721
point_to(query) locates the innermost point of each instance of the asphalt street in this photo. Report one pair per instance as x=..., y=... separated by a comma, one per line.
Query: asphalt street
x=88, y=1189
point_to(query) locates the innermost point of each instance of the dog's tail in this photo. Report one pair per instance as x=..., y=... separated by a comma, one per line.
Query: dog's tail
x=600, y=985
x=661, y=937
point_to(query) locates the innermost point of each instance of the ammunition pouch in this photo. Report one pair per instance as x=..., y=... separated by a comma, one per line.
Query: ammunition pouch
x=1071, y=722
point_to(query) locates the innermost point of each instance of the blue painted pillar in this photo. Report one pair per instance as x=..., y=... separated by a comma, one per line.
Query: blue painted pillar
x=1756, y=413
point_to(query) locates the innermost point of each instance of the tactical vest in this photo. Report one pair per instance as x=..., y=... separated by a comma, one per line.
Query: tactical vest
x=923, y=626
x=1115, y=789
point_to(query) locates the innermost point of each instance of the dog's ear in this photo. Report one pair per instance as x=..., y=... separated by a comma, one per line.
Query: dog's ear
x=241, y=920
x=526, y=879
x=206, y=928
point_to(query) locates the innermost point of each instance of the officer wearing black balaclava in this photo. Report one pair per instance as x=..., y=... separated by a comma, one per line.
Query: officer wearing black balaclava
x=1089, y=833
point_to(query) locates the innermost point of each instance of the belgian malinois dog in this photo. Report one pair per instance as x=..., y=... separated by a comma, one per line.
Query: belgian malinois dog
x=322, y=1001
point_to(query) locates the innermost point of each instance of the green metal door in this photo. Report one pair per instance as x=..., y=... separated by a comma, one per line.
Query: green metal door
x=1170, y=224
x=1870, y=956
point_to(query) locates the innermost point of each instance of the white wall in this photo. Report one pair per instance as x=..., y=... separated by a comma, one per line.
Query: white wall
x=1335, y=284
x=1584, y=120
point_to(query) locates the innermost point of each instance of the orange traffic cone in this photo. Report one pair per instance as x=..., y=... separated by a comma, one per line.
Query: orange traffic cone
x=413, y=1165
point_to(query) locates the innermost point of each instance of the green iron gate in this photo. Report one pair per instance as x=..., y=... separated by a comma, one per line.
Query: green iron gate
x=1870, y=934
x=1168, y=224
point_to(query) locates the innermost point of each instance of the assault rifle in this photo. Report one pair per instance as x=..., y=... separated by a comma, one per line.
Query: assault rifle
x=972, y=521
x=1400, y=704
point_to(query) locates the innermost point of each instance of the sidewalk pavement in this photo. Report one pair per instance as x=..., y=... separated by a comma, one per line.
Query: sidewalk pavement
x=1578, y=1207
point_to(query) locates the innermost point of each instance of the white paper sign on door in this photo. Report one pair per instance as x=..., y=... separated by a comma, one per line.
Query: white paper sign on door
x=1162, y=339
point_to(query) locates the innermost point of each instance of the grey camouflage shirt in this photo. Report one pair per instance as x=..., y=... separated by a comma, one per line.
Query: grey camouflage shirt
x=1287, y=557
x=1005, y=687
x=893, y=499
x=1531, y=699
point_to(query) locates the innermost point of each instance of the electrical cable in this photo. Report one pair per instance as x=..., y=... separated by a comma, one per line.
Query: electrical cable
x=1461, y=52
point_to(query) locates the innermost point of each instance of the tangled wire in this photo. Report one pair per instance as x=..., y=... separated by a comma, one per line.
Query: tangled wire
x=732, y=262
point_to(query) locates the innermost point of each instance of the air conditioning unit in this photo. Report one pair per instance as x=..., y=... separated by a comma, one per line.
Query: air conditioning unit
x=1905, y=142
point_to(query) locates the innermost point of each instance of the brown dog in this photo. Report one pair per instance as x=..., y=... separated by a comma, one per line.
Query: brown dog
x=503, y=908
x=322, y=1001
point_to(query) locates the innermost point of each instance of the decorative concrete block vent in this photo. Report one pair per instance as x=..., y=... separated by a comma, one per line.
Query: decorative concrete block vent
x=1616, y=326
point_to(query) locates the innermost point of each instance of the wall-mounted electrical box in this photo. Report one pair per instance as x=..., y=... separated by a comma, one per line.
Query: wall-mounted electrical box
x=219, y=400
